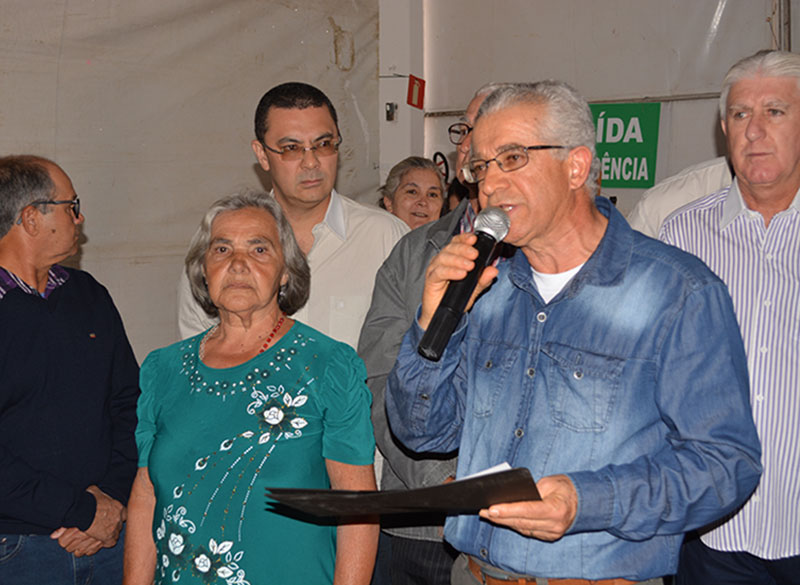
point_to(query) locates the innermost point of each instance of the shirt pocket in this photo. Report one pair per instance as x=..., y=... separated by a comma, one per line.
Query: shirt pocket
x=492, y=366
x=346, y=316
x=581, y=387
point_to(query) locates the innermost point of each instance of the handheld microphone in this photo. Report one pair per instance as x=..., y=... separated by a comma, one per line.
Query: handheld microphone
x=491, y=226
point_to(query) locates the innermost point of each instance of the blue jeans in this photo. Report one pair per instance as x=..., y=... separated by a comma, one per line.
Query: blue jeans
x=36, y=559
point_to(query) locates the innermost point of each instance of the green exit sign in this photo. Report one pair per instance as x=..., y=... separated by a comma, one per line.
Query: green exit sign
x=627, y=143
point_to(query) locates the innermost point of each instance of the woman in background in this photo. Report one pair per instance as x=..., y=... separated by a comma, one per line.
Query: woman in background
x=259, y=400
x=414, y=191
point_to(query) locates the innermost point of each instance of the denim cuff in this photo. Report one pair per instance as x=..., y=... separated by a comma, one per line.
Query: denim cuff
x=595, y=501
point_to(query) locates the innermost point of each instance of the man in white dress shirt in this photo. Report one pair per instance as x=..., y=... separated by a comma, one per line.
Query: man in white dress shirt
x=749, y=234
x=297, y=142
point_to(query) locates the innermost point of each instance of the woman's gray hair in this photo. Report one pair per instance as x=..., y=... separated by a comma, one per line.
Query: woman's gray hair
x=569, y=120
x=399, y=170
x=762, y=64
x=293, y=295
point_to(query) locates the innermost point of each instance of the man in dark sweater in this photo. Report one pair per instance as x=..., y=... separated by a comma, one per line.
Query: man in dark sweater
x=68, y=391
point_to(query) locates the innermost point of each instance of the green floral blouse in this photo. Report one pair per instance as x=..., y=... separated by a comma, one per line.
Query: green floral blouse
x=213, y=439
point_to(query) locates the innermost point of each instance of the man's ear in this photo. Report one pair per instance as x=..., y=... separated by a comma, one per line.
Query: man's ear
x=29, y=220
x=261, y=154
x=387, y=203
x=724, y=127
x=579, y=163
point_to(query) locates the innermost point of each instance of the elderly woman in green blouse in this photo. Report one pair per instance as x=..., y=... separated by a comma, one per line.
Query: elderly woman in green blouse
x=258, y=400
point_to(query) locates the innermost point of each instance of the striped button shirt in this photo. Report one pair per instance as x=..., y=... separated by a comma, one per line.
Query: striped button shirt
x=56, y=276
x=761, y=267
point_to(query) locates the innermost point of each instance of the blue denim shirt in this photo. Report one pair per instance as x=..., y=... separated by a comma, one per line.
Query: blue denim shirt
x=632, y=381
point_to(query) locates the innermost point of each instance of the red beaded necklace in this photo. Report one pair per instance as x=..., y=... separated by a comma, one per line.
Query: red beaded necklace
x=272, y=334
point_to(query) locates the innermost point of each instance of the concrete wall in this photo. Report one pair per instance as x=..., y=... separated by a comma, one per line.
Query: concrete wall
x=674, y=50
x=148, y=106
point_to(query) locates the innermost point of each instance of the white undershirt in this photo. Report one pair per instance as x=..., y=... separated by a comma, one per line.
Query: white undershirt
x=549, y=285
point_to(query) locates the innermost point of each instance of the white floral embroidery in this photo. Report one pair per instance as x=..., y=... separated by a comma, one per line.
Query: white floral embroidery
x=274, y=415
x=203, y=563
x=176, y=543
x=217, y=560
x=220, y=548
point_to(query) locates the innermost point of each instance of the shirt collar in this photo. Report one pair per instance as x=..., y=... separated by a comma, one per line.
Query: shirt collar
x=734, y=205
x=56, y=276
x=607, y=263
x=334, y=216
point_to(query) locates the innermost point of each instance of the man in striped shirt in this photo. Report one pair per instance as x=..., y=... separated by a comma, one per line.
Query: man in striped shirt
x=749, y=235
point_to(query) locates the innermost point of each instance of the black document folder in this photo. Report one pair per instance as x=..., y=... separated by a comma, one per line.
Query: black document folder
x=461, y=496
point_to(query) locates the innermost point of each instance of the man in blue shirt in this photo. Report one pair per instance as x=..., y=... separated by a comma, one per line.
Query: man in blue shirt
x=608, y=364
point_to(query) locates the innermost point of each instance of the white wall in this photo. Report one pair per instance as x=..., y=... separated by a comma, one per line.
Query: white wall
x=148, y=105
x=608, y=50
x=401, y=54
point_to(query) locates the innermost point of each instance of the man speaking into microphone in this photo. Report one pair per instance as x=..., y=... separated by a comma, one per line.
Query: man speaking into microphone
x=608, y=364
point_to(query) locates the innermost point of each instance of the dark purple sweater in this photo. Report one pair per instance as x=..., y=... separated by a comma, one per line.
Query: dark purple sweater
x=68, y=391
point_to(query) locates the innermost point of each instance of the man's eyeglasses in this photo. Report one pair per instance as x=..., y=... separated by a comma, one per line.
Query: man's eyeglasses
x=509, y=160
x=458, y=132
x=75, y=204
x=292, y=151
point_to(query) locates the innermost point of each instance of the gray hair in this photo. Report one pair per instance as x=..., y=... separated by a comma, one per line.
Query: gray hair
x=399, y=170
x=490, y=87
x=761, y=64
x=569, y=120
x=23, y=179
x=293, y=295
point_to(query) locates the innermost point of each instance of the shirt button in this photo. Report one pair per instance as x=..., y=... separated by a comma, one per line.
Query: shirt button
x=484, y=553
x=519, y=433
x=768, y=256
x=577, y=374
x=424, y=396
x=530, y=372
x=767, y=303
x=541, y=317
x=340, y=304
x=488, y=364
x=763, y=349
x=759, y=397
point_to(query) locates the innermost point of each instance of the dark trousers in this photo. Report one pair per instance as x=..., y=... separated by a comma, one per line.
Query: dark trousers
x=421, y=562
x=701, y=565
x=405, y=561
x=382, y=573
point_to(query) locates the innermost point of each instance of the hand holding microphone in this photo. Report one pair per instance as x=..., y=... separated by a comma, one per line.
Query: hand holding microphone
x=443, y=274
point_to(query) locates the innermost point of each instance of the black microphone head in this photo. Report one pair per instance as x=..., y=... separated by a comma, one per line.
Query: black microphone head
x=494, y=222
